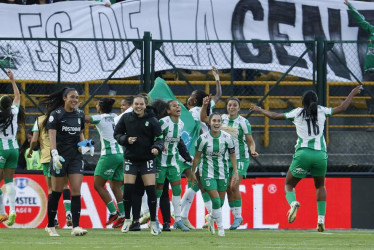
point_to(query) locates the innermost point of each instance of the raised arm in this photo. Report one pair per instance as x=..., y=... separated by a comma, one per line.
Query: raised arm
x=360, y=19
x=344, y=105
x=203, y=112
x=218, y=85
x=270, y=114
x=17, y=95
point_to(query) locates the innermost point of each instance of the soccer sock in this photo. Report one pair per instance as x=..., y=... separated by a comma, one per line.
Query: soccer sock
x=290, y=196
x=217, y=216
x=216, y=203
x=176, y=200
x=145, y=207
x=2, y=208
x=186, y=202
x=121, y=208
x=207, y=202
x=222, y=201
x=157, y=207
x=321, y=207
x=158, y=193
x=237, y=208
x=152, y=201
x=67, y=201
x=127, y=199
x=53, y=199
x=111, y=207
x=165, y=204
x=76, y=209
x=11, y=193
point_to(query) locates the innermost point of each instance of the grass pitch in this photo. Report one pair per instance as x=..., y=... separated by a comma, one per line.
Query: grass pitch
x=197, y=239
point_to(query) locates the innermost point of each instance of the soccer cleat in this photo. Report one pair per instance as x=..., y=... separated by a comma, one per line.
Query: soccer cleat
x=158, y=226
x=321, y=226
x=135, y=226
x=166, y=227
x=11, y=219
x=206, y=225
x=126, y=226
x=187, y=223
x=179, y=225
x=293, y=210
x=154, y=229
x=3, y=218
x=56, y=223
x=51, y=231
x=145, y=218
x=78, y=231
x=119, y=222
x=211, y=224
x=236, y=223
x=69, y=219
x=221, y=232
x=112, y=218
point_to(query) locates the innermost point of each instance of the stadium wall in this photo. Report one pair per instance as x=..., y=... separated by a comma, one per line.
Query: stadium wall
x=349, y=204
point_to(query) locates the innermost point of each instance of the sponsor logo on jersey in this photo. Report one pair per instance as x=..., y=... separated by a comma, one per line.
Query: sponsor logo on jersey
x=31, y=203
x=71, y=129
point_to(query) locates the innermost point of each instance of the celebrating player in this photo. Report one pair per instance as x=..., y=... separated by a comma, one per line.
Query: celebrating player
x=65, y=128
x=310, y=152
x=11, y=115
x=110, y=165
x=213, y=147
x=240, y=130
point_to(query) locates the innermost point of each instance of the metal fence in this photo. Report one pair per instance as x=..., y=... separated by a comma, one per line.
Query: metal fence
x=273, y=74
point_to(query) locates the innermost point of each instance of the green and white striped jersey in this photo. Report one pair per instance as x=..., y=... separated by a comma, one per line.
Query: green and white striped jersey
x=195, y=112
x=8, y=136
x=238, y=128
x=307, y=138
x=171, y=132
x=105, y=126
x=214, y=157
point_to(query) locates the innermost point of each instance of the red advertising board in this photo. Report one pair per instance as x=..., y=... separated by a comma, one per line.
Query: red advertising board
x=264, y=204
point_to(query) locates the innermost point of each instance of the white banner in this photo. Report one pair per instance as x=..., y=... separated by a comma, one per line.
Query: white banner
x=178, y=20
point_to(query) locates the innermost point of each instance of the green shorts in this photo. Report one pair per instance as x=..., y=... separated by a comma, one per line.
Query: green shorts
x=172, y=173
x=110, y=167
x=9, y=158
x=242, y=165
x=214, y=184
x=183, y=166
x=46, y=171
x=305, y=160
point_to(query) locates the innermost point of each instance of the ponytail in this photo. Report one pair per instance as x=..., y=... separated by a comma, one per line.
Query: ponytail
x=310, y=111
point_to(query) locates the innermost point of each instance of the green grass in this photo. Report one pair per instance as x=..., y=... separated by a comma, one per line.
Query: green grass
x=197, y=239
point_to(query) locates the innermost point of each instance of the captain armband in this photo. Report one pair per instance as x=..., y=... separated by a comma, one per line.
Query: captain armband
x=231, y=150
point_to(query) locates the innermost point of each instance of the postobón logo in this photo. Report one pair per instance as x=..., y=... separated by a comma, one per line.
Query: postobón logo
x=31, y=203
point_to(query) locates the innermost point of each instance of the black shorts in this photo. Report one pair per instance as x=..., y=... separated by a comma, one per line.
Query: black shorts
x=142, y=167
x=70, y=166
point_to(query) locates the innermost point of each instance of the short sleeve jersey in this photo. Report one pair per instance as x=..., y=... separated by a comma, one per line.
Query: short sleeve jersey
x=68, y=126
x=214, y=157
x=171, y=132
x=8, y=136
x=238, y=128
x=195, y=112
x=105, y=127
x=307, y=137
x=43, y=139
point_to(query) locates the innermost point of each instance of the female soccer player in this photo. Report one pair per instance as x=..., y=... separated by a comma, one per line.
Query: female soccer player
x=140, y=132
x=11, y=115
x=110, y=165
x=40, y=135
x=172, y=128
x=310, y=152
x=195, y=101
x=240, y=130
x=213, y=147
x=65, y=129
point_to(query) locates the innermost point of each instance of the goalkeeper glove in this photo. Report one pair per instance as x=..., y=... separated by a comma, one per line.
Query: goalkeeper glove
x=57, y=159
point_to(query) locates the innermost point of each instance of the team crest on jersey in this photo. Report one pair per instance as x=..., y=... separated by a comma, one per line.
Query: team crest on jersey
x=50, y=118
x=146, y=123
x=127, y=167
x=207, y=183
x=79, y=121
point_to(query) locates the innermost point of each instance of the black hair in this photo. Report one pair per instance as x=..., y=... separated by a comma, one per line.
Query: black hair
x=106, y=105
x=54, y=101
x=22, y=150
x=309, y=112
x=160, y=107
x=213, y=114
x=6, y=116
x=200, y=95
x=128, y=99
x=234, y=99
x=142, y=96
